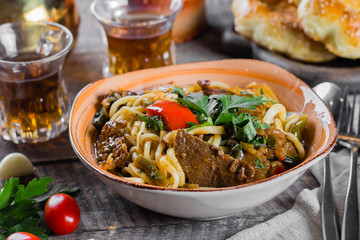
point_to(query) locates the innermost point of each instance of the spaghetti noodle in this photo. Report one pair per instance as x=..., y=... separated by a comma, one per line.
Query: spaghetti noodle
x=247, y=127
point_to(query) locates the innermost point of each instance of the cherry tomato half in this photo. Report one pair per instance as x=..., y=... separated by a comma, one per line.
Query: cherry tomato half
x=22, y=236
x=62, y=214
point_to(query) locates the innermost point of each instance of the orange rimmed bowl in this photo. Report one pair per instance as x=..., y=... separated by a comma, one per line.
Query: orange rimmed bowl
x=216, y=202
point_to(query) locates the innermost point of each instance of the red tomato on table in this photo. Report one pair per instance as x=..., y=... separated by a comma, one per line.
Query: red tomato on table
x=22, y=236
x=62, y=214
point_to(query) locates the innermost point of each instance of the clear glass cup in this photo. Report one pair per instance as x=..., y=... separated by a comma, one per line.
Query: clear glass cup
x=34, y=106
x=59, y=11
x=138, y=33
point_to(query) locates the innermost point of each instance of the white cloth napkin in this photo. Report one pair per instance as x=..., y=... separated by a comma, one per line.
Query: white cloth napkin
x=303, y=220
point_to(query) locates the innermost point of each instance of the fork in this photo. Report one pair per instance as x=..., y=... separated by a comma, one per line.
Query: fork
x=349, y=137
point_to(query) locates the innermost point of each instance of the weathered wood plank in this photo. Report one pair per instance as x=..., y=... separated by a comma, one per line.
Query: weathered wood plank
x=106, y=215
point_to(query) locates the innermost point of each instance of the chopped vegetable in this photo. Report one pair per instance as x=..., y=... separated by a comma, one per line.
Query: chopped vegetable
x=151, y=170
x=236, y=152
x=178, y=91
x=18, y=211
x=277, y=167
x=270, y=141
x=258, y=141
x=299, y=127
x=174, y=115
x=192, y=125
x=100, y=119
x=258, y=164
x=245, y=129
x=153, y=122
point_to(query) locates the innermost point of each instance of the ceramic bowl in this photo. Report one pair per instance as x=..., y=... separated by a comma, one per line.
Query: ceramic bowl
x=212, y=203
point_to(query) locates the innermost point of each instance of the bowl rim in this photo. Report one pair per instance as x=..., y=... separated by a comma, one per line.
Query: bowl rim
x=297, y=169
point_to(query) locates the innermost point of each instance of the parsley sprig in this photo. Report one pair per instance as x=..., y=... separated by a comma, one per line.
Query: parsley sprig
x=223, y=110
x=154, y=122
x=18, y=210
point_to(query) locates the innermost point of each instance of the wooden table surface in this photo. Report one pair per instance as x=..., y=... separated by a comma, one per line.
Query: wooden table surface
x=106, y=215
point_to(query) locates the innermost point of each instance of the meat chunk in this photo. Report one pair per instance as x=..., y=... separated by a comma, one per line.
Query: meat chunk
x=110, y=148
x=207, y=165
x=208, y=90
x=277, y=145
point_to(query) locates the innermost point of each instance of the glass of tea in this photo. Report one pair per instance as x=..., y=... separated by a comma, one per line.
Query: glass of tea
x=60, y=11
x=138, y=33
x=34, y=106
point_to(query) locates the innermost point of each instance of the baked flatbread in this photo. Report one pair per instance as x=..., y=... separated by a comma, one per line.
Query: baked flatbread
x=336, y=23
x=274, y=24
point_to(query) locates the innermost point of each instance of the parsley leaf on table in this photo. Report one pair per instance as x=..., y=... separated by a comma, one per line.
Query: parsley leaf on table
x=7, y=194
x=18, y=211
x=29, y=225
x=34, y=188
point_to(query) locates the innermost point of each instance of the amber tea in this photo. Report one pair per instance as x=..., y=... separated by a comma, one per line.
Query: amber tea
x=133, y=52
x=63, y=12
x=138, y=33
x=33, y=103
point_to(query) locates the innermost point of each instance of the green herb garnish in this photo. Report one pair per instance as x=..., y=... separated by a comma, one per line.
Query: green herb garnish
x=259, y=164
x=236, y=152
x=234, y=101
x=152, y=122
x=223, y=110
x=245, y=128
x=258, y=141
x=178, y=91
x=199, y=102
x=192, y=125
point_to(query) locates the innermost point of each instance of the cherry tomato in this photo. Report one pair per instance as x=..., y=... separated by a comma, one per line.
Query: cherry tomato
x=22, y=236
x=62, y=214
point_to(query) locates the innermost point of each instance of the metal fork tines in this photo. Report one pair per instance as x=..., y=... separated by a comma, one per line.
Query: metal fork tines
x=349, y=134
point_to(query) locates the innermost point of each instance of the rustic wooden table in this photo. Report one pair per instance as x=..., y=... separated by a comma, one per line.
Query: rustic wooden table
x=106, y=215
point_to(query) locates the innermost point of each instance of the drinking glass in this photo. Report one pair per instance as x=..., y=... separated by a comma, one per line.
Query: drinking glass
x=138, y=33
x=59, y=11
x=34, y=106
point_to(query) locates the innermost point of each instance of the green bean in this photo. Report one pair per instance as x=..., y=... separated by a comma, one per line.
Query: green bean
x=151, y=170
x=296, y=131
x=299, y=127
x=301, y=123
x=271, y=141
